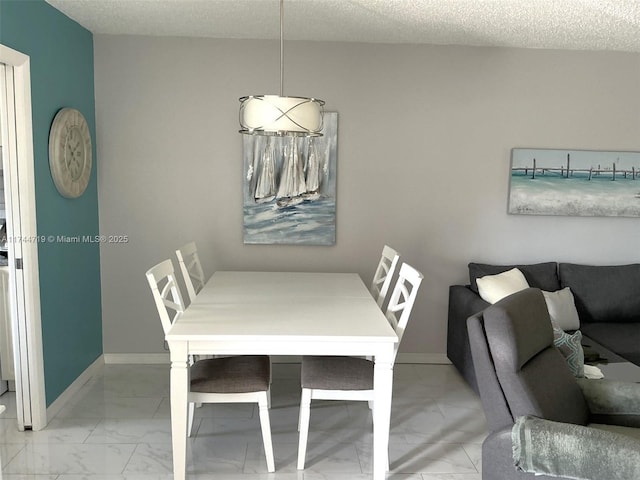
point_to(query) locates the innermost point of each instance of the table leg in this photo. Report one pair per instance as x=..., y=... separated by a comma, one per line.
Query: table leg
x=382, y=384
x=179, y=403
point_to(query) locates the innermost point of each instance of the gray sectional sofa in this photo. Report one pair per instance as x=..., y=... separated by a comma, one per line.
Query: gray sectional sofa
x=607, y=300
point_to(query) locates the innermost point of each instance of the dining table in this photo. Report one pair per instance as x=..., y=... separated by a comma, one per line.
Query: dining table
x=282, y=314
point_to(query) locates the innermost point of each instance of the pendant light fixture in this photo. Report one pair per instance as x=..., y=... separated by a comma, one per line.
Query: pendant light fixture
x=280, y=115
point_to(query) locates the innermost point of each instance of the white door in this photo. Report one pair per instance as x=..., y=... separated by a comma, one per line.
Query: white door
x=24, y=290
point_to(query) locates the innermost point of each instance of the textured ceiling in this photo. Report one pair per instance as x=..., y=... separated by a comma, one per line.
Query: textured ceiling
x=562, y=24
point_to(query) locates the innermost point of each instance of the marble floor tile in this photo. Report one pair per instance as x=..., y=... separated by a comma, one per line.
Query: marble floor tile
x=29, y=477
x=131, y=430
x=115, y=477
x=42, y=459
x=423, y=458
x=59, y=430
x=115, y=407
x=361, y=476
x=142, y=381
x=452, y=476
x=322, y=458
x=118, y=428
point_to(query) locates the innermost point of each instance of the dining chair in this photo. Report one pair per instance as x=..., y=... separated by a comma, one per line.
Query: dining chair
x=191, y=269
x=236, y=379
x=351, y=378
x=384, y=273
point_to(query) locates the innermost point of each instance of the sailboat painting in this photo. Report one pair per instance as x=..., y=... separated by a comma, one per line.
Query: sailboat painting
x=289, y=187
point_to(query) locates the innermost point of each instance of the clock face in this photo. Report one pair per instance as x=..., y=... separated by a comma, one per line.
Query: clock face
x=70, y=152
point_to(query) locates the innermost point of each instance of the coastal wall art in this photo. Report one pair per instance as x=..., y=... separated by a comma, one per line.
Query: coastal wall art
x=574, y=182
x=289, y=187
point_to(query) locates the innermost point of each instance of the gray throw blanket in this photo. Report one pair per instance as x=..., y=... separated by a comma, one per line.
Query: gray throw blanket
x=573, y=451
x=611, y=397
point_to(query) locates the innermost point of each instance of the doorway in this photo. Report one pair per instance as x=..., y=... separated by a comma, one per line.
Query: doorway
x=7, y=370
x=21, y=238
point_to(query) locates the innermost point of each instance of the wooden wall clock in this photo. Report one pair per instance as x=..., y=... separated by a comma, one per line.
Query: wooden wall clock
x=70, y=152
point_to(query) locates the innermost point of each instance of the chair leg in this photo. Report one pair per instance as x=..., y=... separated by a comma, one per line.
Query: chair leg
x=303, y=426
x=191, y=411
x=265, y=425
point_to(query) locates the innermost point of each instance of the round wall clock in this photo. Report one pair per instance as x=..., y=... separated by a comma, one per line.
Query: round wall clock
x=70, y=152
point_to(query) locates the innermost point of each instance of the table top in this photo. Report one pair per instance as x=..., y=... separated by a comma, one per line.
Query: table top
x=285, y=307
x=261, y=287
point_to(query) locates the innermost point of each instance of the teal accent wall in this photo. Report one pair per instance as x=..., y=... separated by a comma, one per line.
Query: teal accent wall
x=61, y=54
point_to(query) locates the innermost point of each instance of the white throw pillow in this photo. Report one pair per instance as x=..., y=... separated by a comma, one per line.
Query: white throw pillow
x=562, y=309
x=493, y=288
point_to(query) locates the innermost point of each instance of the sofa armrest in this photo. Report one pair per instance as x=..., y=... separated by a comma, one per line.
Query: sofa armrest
x=611, y=402
x=497, y=459
x=575, y=451
x=463, y=303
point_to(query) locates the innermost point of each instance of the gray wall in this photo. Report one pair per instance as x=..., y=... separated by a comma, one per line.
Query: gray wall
x=425, y=134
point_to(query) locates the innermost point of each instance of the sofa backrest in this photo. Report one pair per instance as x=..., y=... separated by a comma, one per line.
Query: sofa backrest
x=496, y=409
x=532, y=373
x=604, y=293
x=540, y=275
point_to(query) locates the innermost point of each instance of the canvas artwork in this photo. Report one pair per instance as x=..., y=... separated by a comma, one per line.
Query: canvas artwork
x=574, y=182
x=290, y=187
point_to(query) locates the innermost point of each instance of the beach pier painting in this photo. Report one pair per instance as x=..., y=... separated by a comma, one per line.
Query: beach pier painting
x=289, y=187
x=574, y=182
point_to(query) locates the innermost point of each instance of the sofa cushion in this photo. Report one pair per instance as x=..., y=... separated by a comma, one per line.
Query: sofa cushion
x=621, y=338
x=604, y=293
x=493, y=288
x=539, y=275
x=562, y=309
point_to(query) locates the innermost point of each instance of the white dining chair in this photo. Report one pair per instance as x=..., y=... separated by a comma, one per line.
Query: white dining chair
x=237, y=379
x=351, y=378
x=384, y=273
x=191, y=269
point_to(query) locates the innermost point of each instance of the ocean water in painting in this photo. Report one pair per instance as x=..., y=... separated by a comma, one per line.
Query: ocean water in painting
x=576, y=183
x=308, y=223
x=546, y=195
x=289, y=190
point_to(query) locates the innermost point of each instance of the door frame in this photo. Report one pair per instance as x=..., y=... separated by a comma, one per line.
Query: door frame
x=28, y=337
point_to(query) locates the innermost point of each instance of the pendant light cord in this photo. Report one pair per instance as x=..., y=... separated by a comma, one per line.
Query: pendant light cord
x=281, y=49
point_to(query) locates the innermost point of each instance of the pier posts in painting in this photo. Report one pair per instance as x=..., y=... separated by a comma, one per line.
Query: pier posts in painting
x=574, y=182
x=533, y=173
x=566, y=172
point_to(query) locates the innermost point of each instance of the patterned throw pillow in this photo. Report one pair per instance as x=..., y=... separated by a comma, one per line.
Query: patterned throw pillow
x=570, y=345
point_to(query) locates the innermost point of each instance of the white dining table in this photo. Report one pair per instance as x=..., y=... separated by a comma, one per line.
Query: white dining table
x=282, y=313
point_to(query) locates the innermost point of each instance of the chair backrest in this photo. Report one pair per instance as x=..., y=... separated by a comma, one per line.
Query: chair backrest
x=191, y=268
x=517, y=365
x=166, y=293
x=402, y=300
x=384, y=273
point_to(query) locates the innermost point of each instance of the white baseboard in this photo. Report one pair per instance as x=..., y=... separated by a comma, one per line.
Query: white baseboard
x=159, y=358
x=66, y=396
